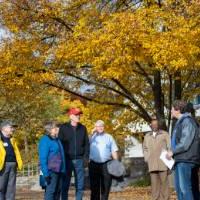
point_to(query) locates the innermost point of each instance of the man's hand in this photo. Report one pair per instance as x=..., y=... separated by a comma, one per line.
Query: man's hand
x=48, y=180
x=86, y=163
x=94, y=130
x=115, y=155
x=169, y=155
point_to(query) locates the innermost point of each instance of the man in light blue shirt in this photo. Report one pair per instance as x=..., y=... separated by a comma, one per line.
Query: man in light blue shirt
x=103, y=148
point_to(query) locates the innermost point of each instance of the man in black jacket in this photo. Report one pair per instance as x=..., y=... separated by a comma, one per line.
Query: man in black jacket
x=76, y=146
x=185, y=150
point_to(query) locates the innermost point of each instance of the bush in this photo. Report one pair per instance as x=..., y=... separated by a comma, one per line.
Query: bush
x=142, y=182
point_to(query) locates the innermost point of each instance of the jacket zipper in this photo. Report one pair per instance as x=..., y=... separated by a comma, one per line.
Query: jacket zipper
x=75, y=145
x=75, y=152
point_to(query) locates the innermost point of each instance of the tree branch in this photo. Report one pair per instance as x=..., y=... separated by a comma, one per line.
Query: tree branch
x=134, y=101
x=97, y=101
x=144, y=73
x=88, y=98
x=61, y=21
x=187, y=80
x=98, y=84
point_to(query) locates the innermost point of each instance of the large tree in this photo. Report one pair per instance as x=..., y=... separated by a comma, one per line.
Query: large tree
x=135, y=56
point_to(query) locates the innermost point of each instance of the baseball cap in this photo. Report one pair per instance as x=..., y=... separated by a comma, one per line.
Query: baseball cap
x=74, y=111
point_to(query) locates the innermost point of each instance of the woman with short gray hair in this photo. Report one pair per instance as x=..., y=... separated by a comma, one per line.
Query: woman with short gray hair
x=103, y=148
x=52, y=161
x=48, y=126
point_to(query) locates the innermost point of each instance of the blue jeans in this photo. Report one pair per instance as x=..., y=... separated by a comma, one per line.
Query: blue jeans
x=53, y=190
x=77, y=166
x=183, y=181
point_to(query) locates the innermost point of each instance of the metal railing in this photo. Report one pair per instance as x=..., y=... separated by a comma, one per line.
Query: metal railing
x=30, y=169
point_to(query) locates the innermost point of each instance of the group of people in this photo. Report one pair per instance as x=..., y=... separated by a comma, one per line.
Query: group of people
x=67, y=148
x=63, y=150
x=183, y=147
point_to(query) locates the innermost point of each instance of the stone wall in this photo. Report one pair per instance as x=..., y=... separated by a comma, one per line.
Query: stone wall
x=136, y=168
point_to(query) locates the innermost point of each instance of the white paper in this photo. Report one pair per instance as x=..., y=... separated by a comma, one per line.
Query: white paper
x=168, y=163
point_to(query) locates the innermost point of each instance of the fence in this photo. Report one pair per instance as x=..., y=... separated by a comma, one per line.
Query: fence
x=28, y=177
x=28, y=170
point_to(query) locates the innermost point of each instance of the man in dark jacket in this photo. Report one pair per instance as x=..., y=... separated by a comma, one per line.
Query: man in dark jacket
x=76, y=146
x=185, y=150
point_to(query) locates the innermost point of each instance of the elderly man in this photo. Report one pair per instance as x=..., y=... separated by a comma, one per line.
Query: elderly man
x=10, y=159
x=154, y=142
x=74, y=138
x=102, y=149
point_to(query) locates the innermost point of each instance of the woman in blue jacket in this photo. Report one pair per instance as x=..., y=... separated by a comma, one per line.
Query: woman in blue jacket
x=52, y=161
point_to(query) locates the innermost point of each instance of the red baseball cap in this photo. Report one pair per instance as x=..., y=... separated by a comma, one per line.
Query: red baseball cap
x=74, y=111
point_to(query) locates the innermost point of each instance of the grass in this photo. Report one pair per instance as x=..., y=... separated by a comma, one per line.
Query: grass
x=142, y=182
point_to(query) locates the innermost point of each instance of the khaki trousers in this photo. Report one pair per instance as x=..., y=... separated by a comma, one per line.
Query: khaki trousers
x=160, y=185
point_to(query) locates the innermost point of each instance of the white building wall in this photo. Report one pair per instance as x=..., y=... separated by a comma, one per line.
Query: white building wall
x=133, y=148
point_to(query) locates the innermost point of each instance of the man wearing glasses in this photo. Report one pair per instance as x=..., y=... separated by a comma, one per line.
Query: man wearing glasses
x=10, y=160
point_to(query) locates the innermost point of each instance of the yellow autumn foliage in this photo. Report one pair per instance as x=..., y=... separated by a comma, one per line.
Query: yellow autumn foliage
x=124, y=59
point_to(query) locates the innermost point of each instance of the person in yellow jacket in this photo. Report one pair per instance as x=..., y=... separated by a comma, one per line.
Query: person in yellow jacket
x=10, y=160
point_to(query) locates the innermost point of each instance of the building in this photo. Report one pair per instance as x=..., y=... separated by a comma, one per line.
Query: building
x=133, y=147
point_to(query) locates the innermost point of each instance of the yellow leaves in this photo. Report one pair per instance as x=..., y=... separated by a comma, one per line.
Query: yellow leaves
x=126, y=37
x=111, y=42
x=49, y=36
x=178, y=63
x=23, y=63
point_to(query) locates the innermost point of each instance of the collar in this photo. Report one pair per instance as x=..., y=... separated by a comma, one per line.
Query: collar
x=158, y=132
x=2, y=136
x=78, y=125
x=51, y=138
x=100, y=134
x=95, y=134
x=185, y=115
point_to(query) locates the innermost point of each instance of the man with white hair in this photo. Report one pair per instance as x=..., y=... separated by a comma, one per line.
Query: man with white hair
x=103, y=148
x=10, y=160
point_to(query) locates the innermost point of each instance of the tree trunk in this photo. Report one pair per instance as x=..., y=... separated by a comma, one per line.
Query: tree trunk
x=159, y=100
x=26, y=145
x=170, y=101
x=177, y=86
x=177, y=92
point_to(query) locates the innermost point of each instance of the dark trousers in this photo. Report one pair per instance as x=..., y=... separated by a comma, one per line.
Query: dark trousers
x=195, y=183
x=8, y=181
x=76, y=166
x=100, y=181
x=53, y=190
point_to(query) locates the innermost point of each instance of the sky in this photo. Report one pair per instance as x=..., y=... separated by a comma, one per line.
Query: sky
x=3, y=33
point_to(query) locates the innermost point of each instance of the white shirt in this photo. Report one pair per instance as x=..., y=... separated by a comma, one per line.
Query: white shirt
x=154, y=134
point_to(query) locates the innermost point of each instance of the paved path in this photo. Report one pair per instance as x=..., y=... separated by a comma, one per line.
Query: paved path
x=127, y=194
